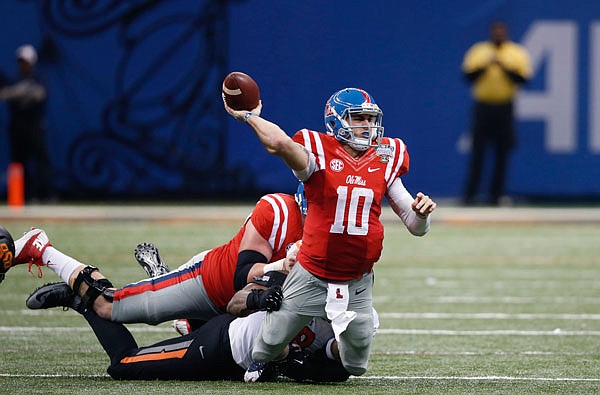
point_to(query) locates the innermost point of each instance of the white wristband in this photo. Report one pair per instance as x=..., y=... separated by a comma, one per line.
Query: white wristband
x=273, y=266
x=248, y=115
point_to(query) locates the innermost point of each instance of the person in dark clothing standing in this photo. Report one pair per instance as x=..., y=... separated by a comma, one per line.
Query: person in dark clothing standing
x=26, y=100
x=495, y=68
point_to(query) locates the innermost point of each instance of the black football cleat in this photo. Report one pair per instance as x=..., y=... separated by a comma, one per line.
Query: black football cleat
x=54, y=295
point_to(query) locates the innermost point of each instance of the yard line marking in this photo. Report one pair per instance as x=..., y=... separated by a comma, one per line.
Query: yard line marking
x=40, y=312
x=555, y=332
x=145, y=328
x=502, y=284
x=517, y=300
x=438, y=378
x=488, y=378
x=493, y=316
x=52, y=329
x=78, y=376
x=490, y=300
x=473, y=353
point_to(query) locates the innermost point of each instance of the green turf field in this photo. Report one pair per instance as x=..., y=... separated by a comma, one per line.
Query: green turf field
x=469, y=308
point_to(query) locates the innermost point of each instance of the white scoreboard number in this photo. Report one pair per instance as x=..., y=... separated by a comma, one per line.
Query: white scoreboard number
x=555, y=44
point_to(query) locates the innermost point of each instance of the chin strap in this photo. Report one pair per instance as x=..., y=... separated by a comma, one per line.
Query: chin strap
x=95, y=287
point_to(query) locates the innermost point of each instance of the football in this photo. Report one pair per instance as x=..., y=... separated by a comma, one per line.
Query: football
x=240, y=91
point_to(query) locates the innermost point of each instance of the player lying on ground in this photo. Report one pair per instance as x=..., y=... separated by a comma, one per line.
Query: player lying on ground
x=199, y=289
x=218, y=350
x=149, y=258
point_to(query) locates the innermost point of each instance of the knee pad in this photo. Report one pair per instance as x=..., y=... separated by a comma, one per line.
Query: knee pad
x=95, y=287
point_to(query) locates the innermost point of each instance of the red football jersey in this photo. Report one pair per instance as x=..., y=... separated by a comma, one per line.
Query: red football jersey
x=278, y=220
x=343, y=236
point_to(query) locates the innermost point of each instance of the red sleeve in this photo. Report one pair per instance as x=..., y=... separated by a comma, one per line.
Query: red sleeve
x=298, y=137
x=399, y=161
x=271, y=219
x=262, y=218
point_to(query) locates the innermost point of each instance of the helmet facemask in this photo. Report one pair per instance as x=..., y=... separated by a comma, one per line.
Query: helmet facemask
x=368, y=135
x=339, y=110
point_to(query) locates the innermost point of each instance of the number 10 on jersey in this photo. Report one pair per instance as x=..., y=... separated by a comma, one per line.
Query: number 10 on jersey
x=357, y=222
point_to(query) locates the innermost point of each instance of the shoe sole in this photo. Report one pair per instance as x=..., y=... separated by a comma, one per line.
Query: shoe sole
x=154, y=266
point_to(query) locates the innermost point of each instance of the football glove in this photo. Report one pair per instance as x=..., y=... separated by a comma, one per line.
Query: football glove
x=265, y=299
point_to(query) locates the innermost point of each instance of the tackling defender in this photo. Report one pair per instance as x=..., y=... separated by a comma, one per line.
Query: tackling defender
x=219, y=350
x=199, y=289
x=346, y=173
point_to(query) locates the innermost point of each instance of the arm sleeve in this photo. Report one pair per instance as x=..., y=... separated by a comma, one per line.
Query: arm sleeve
x=401, y=202
x=246, y=259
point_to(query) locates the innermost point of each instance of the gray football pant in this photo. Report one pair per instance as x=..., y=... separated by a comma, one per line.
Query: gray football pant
x=171, y=296
x=304, y=297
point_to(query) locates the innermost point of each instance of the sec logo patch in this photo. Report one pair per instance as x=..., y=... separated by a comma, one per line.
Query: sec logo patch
x=336, y=165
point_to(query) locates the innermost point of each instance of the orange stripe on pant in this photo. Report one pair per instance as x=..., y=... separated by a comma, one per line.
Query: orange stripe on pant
x=155, y=356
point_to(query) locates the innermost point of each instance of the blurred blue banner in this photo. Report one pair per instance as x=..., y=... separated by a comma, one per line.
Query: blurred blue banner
x=134, y=89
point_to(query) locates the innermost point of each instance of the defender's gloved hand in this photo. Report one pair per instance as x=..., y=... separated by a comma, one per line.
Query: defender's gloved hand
x=265, y=299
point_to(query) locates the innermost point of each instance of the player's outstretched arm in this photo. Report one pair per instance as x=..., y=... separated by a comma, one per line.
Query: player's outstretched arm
x=273, y=138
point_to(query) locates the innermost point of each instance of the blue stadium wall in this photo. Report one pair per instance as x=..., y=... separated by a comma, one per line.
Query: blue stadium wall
x=134, y=89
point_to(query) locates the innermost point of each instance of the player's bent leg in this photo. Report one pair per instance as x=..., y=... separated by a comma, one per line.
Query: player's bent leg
x=114, y=338
x=204, y=354
x=302, y=300
x=89, y=284
x=304, y=297
x=103, y=308
x=355, y=344
x=277, y=330
x=177, y=294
